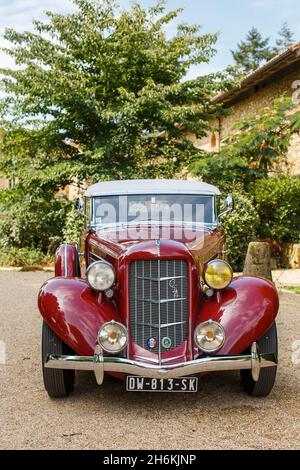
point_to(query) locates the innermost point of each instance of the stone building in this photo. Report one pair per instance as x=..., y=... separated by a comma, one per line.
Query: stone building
x=279, y=76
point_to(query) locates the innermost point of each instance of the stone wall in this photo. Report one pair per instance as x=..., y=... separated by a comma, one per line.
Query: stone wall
x=291, y=255
x=4, y=183
x=259, y=100
x=294, y=155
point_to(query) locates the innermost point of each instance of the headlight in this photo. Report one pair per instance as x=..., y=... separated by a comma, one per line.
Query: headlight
x=100, y=275
x=217, y=274
x=209, y=336
x=113, y=337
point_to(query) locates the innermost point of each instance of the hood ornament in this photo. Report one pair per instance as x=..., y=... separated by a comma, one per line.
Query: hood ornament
x=157, y=243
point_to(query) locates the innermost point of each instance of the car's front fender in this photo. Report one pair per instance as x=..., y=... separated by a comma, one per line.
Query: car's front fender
x=246, y=310
x=75, y=312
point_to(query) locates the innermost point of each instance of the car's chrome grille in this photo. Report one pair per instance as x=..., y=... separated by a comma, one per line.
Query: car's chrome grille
x=158, y=303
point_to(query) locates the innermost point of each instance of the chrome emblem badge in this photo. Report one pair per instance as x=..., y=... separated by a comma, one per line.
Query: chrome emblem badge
x=166, y=342
x=151, y=343
x=174, y=288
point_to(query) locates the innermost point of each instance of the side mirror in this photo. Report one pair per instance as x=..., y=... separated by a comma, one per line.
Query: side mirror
x=228, y=204
x=227, y=207
x=78, y=204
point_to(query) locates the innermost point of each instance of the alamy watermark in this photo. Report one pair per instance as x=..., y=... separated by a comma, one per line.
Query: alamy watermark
x=142, y=216
x=296, y=93
x=2, y=352
x=296, y=352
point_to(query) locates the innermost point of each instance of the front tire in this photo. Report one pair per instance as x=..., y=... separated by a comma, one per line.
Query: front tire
x=58, y=383
x=267, y=344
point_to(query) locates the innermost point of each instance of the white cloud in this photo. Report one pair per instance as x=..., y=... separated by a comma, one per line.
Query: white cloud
x=286, y=8
x=273, y=3
x=19, y=13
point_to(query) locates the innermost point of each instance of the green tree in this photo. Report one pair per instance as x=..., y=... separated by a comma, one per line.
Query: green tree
x=252, y=52
x=109, y=82
x=285, y=38
x=100, y=93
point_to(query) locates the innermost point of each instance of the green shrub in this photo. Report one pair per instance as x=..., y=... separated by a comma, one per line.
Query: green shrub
x=278, y=204
x=35, y=220
x=73, y=226
x=23, y=257
x=240, y=228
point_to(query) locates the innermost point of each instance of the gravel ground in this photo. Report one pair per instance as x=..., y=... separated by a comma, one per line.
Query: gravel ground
x=220, y=416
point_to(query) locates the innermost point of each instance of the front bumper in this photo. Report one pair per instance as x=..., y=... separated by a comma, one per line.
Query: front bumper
x=101, y=364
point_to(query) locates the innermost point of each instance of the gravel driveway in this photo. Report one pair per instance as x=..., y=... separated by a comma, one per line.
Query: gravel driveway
x=220, y=416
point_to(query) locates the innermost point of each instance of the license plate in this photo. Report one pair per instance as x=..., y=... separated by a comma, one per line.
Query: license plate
x=145, y=384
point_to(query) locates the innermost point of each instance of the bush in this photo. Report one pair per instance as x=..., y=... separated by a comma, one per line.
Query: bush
x=35, y=220
x=74, y=225
x=278, y=204
x=23, y=257
x=240, y=227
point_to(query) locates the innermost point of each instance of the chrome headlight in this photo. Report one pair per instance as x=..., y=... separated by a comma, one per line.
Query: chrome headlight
x=217, y=274
x=209, y=336
x=100, y=275
x=113, y=337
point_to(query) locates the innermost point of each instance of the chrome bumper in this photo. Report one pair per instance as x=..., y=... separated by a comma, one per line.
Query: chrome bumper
x=101, y=364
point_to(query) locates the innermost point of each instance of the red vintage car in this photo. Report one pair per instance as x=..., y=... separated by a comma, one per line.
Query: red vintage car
x=150, y=298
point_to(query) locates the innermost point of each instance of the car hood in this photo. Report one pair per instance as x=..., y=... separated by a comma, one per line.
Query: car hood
x=199, y=240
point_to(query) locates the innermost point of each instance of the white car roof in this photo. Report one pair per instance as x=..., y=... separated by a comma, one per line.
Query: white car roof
x=126, y=187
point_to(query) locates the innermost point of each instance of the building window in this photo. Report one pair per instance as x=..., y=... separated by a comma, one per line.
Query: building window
x=213, y=140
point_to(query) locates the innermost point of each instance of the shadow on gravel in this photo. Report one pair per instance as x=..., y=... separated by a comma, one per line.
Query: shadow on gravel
x=113, y=392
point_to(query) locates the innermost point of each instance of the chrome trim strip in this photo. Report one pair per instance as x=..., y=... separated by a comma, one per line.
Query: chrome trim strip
x=158, y=279
x=65, y=262
x=163, y=325
x=150, y=359
x=159, y=316
x=96, y=256
x=163, y=301
x=128, y=366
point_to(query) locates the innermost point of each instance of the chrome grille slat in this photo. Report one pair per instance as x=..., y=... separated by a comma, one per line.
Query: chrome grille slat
x=157, y=279
x=162, y=301
x=158, y=306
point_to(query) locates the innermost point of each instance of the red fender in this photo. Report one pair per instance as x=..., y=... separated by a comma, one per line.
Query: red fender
x=75, y=312
x=246, y=310
x=66, y=261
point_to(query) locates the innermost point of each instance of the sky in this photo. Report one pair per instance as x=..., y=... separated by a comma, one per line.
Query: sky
x=230, y=18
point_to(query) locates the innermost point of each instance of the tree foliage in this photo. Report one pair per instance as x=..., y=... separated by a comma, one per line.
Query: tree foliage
x=98, y=94
x=255, y=50
x=240, y=228
x=252, y=52
x=257, y=146
x=110, y=83
x=285, y=38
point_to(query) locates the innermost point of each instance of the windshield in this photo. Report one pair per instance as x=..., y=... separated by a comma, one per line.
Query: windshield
x=163, y=208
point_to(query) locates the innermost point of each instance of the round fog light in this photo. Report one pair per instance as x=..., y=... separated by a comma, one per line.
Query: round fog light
x=112, y=337
x=209, y=336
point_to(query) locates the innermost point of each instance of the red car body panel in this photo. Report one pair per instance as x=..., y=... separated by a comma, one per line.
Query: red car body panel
x=66, y=261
